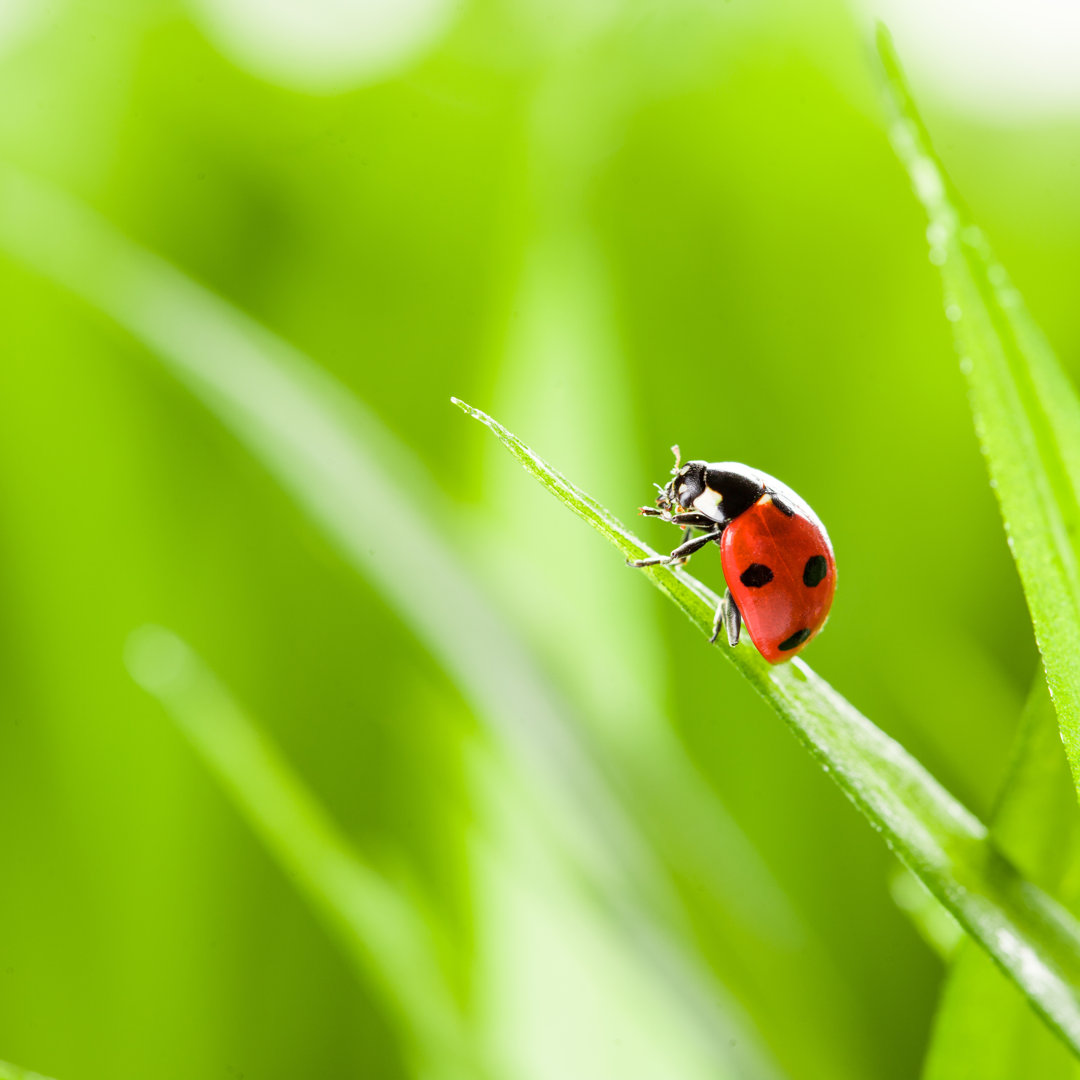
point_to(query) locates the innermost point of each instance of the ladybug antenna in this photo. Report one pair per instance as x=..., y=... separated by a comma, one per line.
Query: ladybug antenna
x=678, y=457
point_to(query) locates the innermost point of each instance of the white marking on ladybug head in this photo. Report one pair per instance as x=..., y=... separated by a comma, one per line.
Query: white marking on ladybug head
x=708, y=503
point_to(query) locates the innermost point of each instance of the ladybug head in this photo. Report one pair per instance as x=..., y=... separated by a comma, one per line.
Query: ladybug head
x=687, y=483
x=721, y=491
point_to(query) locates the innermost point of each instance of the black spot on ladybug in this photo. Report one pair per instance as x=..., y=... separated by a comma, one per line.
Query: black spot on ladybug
x=785, y=508
x=756, y=575
x=814, y=571
x=794, y=641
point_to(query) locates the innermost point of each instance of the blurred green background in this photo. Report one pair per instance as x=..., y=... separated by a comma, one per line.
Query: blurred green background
x=615, y=226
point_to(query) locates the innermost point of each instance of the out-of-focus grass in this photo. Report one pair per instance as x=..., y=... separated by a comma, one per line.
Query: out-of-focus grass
x=380, y=926
x=13, y=1072
x=573, y=213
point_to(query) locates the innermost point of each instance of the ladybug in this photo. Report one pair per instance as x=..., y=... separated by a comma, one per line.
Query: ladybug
x=775, y=553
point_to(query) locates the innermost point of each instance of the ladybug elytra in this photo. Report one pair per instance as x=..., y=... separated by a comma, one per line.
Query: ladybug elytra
x=775, y=553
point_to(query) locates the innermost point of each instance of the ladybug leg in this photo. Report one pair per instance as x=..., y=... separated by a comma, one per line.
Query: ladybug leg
x=684, y=519
x=728, y=616
x=732, y=619
x=688, y=547
x=691, y=518
x=683, y=551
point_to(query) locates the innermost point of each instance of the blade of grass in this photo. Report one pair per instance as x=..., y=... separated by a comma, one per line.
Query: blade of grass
x=935, y=925
x=335, y=459
x=1027, y=414
x=380, y=929
x=984, y=1028
x=13, y=1072
x=1027, y=933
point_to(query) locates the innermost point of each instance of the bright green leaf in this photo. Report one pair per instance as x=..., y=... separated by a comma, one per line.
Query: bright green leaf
x=985, y=1029
x=1029, y=935
x=1027, y=415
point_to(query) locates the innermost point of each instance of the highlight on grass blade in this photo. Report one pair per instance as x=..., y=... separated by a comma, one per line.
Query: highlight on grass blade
x=13, y=1072
x=1031, y=937
x=381, y=930
x=1027, y=413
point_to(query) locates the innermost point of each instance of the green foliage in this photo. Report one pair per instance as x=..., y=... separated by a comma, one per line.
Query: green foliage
x=1027, y=416
x=243, y=268
x=1027, y=413
x=984, y=1029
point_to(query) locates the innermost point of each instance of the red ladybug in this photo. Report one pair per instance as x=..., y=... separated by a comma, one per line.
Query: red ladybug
x=775, y=553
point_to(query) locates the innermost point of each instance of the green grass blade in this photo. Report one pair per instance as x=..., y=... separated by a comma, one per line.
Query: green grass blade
x=1027, y=933
x=380, y=927
x=13, y=1072
x=935, y=925
x=985, y=1029
x=1027, y=415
